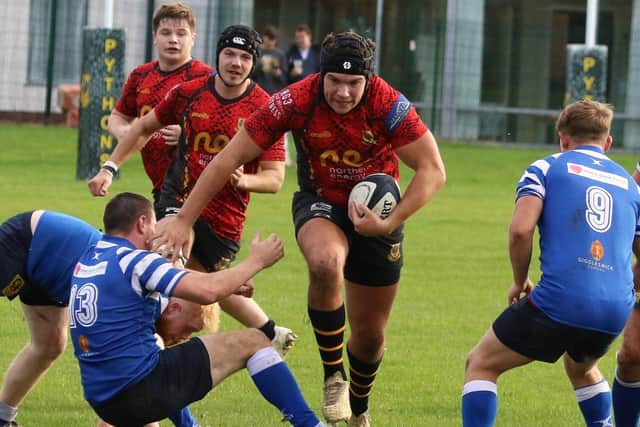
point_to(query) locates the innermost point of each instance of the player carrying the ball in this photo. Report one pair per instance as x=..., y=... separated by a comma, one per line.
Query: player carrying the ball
x=347, y=123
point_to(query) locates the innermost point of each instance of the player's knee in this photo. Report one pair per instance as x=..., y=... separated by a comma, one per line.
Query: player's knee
x=369, y=342
x=325, y=267
x=628, y=357
x=472, y=360
x=51, y=347
x=251, y=340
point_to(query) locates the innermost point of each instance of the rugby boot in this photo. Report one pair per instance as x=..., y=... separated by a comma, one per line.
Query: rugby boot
x=336, y=399
x=362, y=420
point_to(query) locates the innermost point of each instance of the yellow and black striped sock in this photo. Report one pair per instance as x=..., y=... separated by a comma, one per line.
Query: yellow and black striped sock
x=361, y=380
x=328, y=327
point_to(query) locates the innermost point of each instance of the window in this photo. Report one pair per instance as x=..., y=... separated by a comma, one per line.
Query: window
x=71, y=17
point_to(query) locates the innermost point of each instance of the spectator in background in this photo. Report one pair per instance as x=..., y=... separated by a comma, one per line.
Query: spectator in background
x=303, y=57
x=270, y=71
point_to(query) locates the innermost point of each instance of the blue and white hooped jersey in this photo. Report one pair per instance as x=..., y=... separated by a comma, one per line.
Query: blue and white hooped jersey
x=58, y=242
x=114, y=304
x=588, y=223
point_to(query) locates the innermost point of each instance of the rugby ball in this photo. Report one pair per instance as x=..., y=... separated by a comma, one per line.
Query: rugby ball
x=379, y=192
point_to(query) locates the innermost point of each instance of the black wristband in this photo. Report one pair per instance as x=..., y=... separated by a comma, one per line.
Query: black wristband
x=110, y=169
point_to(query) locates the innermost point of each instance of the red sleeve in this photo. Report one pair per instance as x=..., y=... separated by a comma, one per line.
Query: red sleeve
x=269, y=122
x=126, y=104
x=275, y=153
x=400, y=116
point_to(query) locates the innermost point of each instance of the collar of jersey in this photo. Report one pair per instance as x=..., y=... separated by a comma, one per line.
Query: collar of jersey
x=590, y=148
x=120, y=241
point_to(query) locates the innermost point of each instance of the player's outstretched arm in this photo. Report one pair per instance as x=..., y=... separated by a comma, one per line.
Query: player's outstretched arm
x=207, y=288
x=131, y=141
x=174, y=232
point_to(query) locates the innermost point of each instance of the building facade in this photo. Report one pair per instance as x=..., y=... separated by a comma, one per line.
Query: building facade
x=491, y=70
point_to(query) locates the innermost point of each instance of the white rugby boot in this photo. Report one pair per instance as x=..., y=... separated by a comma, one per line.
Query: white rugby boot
x=362, y=420
x=336, y=399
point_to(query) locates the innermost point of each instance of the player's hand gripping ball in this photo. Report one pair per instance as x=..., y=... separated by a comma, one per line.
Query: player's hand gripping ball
x=379, y=192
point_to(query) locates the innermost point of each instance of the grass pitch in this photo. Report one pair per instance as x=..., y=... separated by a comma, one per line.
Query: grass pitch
x=454, y=284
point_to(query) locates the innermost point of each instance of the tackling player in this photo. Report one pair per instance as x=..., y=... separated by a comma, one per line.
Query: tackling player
x=347, y=123
x=587, y=209
x=114, y=300
x=38, y=251
x=211, y=109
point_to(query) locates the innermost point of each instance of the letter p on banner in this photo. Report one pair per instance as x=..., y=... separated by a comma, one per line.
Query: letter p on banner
x=586, y=73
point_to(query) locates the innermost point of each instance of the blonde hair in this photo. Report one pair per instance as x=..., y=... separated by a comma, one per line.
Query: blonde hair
x=585, y=120
x=211, y=317
x=174, y=11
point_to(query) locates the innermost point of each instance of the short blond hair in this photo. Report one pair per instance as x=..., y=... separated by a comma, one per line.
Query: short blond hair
x=211, y=317
x=585, y=120
x=174, y=11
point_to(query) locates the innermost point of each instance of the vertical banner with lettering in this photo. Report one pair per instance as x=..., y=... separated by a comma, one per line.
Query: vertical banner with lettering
x=101, y=85
x=586, y=73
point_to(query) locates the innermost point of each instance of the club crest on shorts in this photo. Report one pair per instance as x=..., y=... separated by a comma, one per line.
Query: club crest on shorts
x=394, y=252
x=222, y=264
x=13, y=287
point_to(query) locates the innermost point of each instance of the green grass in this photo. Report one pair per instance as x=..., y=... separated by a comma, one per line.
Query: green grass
x=454, y=284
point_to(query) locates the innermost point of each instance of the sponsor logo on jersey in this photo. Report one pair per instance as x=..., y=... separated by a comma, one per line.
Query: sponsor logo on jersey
x=323, y=134
x=597, y=253
x=597, y=250
x=13, y=287
x=144, y=91
x=394, y=252
x=200, y=115
x=368, y=138
x=398, y=112
x=83, y=271
x=597, y=175
x=592, y=264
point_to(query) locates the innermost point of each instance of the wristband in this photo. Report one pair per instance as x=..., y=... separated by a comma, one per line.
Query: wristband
x=110, y=167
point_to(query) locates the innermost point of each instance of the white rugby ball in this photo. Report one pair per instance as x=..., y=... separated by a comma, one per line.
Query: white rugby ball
x=379, y=192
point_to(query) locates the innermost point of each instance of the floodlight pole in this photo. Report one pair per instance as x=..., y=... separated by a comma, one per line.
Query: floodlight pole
x=50, y=57
x=379, y=12
x=108, y=13
x=592, y=23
